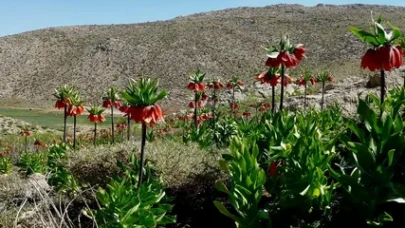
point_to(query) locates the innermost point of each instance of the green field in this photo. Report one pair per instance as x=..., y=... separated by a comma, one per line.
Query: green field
x=52, y=120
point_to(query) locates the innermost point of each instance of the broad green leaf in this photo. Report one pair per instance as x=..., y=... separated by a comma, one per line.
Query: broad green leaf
x=364, y=36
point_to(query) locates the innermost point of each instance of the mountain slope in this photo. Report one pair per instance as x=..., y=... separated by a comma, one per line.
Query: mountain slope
x=221, y=43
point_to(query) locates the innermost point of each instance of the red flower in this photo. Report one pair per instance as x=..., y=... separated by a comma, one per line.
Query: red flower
x=60, y=104
x=330, y=79
x=75, y=110
x=123, y=109
x=217, y=85
x=301, y=82
x=385, y=57
x=312, y=80
x=287, y=80
x=299, y=52
x=273, y=168
x=196, y=86
x=25, y=133
x=272, y=62
x=96, y=118
x=287, y=60
x=117, y=104
x=247, y=114
x=148, y=115
x=229, y=85
x=265, y=77
x=107, y=103
x=234, y=105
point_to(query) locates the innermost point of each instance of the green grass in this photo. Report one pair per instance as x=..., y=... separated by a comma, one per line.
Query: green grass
x=52, y=119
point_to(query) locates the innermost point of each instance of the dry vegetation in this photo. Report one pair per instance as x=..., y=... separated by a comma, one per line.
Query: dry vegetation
x=221, y=43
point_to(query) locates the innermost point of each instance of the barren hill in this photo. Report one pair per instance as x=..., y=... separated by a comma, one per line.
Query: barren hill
x=221, y=43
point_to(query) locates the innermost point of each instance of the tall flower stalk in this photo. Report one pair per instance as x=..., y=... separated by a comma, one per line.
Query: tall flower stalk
x=234, y=84
x=142, y=96
x=196, y=85
x=125, y=109
x=303, y=81
x=272, y=77
x=285, y=56
x=112, y=100
x=323, y=78
x=75, y=108
x=385, y=52
x=215, y=85
x=63, y=95
x=95, y=116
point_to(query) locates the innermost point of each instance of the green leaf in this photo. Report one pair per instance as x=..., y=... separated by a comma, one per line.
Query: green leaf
x=221, y=187
x=225, y=211
x=390, y=157
x=364, y=36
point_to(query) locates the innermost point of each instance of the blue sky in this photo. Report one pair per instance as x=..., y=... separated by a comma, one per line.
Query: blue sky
x=24, y=15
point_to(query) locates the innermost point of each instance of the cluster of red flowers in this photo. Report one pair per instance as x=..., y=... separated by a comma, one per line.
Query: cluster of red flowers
x=197, y=87
x=25, y=133
x=230, y=85
x=96, y=118
x=75, y=110
x=204, y=117
x=286, y=58
x=385, y=57
x=108, y=103
x=186, y=117
x=301, y=81
x=200, y=103
x=7, y=152
x=246, y=114
x=60, y=104
x=121, y=126
x=273, y=79
x=264, y=107
x=146, y=115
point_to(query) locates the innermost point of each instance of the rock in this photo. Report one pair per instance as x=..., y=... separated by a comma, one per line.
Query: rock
x=373, y=81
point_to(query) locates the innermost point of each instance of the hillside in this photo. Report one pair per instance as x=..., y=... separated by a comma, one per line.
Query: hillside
x=221, y=43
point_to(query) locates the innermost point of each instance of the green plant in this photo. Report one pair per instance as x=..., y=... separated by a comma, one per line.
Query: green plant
x=30, y=163
x=125, y=205
x=6, y=164
x=60, y=177
x=375, y=150
x=246, y=187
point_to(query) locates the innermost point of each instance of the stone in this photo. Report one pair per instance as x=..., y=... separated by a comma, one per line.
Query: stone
x=373, y=81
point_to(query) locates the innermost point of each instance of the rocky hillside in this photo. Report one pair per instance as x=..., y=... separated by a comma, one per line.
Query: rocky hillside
x=221, y=43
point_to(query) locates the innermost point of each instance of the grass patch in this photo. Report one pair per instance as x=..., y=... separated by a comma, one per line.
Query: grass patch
x=48, y=119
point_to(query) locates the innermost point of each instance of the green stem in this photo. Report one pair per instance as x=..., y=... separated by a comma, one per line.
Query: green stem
x=26, y=143
x=129, y=126
x=142, y=154
x=282, y=88
x=323, y=95
x=74, y=132
x=112, y=125
x=273, y=98
x=64, y=123
x=95, y=133
x=305, y=96
x=195, y=110
x=382, y=95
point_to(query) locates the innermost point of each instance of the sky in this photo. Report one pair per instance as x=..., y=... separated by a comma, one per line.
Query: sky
x=18, y=16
